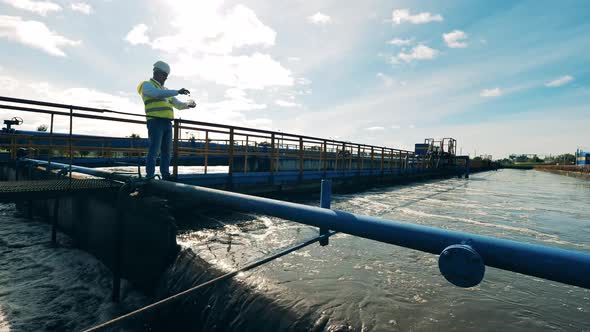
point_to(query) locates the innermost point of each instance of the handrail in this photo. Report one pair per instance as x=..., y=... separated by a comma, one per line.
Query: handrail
x=83, y=108
x=73, y=107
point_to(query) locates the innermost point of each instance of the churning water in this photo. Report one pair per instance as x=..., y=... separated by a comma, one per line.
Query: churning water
x=359, y=284
x=351, y=284
x=46, y=288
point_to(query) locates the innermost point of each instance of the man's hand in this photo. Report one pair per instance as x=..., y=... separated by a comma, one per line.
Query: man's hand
x=184, y=91
x=192, y=104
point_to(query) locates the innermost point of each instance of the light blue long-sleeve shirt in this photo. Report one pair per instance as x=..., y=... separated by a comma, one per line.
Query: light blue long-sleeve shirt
x=149, y=90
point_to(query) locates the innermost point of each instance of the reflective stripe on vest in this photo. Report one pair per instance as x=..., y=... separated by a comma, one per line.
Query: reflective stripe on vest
x=156, y=108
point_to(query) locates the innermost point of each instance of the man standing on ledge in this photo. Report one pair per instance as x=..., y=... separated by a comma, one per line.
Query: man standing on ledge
x=159, y=109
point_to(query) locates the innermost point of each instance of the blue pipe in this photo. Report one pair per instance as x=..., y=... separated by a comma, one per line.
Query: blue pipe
x=80, y=169
x=566, y=266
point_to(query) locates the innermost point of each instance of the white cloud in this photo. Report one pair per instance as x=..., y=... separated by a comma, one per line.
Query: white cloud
x=81, y=7
x=399, y=42
x=455, y=39
x=412, y=126
x=204, y=40
x=285, y=103
x=229, y=110
x=137, y=35
x=34, y=34
x=376, y=128
x=319, y=19
x=560, y=81
x=403, y=15
x=294, y=59
x=420, y=52
x=395, y=127
x=8, y=84
x=495, y=92
x=257, y=71
x=39, y=7
x=386, y=79
x=199, y=28
x=261, y=123
x=234, y=100
x=303, y=81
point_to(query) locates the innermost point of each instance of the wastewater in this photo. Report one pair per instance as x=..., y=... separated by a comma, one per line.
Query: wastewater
x=353, y=284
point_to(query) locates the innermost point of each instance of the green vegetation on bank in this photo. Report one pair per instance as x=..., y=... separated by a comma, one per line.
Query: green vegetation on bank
x=529, y=161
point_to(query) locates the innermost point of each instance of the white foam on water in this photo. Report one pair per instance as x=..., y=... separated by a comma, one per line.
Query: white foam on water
x=53, y=288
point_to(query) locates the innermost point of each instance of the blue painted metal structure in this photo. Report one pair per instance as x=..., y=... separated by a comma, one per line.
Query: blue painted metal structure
x=582, y=158
x=566, y=266
x=253, y=157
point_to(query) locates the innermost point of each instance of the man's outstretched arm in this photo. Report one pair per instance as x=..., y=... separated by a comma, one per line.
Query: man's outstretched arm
x=151, y=91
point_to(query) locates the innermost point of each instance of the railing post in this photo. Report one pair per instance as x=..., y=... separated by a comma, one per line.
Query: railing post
x=359, y=164
x=325, y=202
x=372, y=160
x=343, y=157
x=336, y=160
x=246, y=157
x=175, y=148
x=390, y=161
x=231, y=157
x=300, y=159
x=325, y=151
x=272, y=158
x=350, y=160
x=382, y=156
x=206, y=150
x=70, y=143
x=50, y=144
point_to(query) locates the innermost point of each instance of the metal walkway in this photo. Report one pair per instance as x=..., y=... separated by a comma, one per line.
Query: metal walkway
x=36, y=189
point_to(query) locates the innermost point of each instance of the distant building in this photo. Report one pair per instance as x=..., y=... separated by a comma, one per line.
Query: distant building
x=582, y=158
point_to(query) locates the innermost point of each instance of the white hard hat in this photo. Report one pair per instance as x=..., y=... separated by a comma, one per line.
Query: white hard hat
x=162, y=66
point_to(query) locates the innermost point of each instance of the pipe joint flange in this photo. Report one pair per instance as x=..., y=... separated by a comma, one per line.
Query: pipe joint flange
x=461, y=265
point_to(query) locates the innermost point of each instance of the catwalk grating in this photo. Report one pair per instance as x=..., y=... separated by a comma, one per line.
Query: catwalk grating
x=18, y=190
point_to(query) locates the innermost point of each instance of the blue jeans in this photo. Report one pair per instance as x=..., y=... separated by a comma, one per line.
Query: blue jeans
x=160, y=135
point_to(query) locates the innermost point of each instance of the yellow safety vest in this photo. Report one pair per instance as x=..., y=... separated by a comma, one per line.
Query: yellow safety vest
x=154, y=107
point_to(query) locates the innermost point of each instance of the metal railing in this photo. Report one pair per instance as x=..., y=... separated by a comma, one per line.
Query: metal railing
x=237, y=146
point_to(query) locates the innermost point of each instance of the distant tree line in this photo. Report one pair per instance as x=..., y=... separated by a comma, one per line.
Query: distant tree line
x=562, y=159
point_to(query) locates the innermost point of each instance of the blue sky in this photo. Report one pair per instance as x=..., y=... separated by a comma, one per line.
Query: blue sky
x=501, y=77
